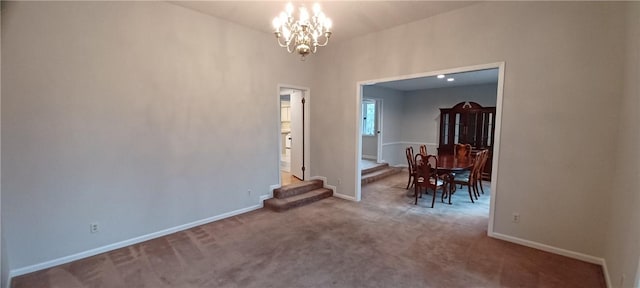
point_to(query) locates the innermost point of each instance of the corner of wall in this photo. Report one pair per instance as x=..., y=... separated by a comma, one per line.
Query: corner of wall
x=4, y=266
x=4, y=260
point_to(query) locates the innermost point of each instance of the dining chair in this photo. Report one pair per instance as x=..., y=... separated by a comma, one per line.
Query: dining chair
x=461, y=151
x=427, y=177
x=411, y=165
x=423, y=150
x=485, y=156
x=471, y=179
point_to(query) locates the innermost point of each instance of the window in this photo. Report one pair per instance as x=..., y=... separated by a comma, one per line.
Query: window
x=368, y=117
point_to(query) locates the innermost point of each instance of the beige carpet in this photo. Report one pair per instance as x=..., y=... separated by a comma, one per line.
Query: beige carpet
x=383, y=241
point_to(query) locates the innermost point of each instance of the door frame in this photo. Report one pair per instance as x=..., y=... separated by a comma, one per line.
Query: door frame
x=379, y=130
x=497, y=136
x=306, y=94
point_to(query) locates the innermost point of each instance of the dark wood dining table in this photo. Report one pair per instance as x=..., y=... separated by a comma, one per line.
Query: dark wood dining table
x=449, y=163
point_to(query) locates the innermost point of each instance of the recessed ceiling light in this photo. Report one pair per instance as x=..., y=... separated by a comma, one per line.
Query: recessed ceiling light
x=440, y=76
x=450, y=79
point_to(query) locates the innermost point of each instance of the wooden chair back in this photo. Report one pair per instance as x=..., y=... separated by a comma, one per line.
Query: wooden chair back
x=423, y=150
x=462, y=151
x=476, y=171
x=484, y=163
x=427, y=177
x=410, y=161
x=426, y=168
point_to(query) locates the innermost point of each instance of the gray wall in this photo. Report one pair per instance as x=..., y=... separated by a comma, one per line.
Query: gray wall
x=622, y=245
x=369, y=147
x=4, y=265
x=135, y=115
x=421, y=109
x=562, y=66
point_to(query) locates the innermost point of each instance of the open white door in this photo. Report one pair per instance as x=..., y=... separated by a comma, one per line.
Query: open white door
x=379, y=125
x=296, y=134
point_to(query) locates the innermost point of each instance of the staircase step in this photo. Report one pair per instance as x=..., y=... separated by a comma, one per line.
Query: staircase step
x=377, y=175
x=375, y=168
x=296, y=188
x=284, y=204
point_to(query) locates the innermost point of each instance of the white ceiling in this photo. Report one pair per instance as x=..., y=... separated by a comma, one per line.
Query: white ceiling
x=488, y=76
x=350, y=18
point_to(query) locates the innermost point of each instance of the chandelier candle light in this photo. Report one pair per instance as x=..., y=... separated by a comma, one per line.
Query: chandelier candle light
x=305, y=34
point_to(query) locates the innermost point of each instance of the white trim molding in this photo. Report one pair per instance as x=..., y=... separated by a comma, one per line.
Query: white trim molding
x=92, y=252
x=605, y=271
x=334, y=188
x=273, y=187
x=369, y=157
x=409, y=143
x=555, y=250
x=345, y=197
x=548, y=248
x=418, y=143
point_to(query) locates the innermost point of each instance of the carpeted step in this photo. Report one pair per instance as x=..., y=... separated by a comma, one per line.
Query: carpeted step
x=377, y=175
x=287, y=203
x=297, y=188
x=378, y=167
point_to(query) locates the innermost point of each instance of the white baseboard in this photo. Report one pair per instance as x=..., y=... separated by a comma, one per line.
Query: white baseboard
x=132, y=241
x=273, y=187
x=392, y=143
x=324, y=183
x=324, y=179
x=369, y=157
x=554, y=250
x=418, y=143
x=345, y=197
x=548, y=248
x=334, y=188
x=605, y=271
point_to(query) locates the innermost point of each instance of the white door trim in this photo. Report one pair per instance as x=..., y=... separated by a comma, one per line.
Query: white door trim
x=307, y=128
x=379, y=107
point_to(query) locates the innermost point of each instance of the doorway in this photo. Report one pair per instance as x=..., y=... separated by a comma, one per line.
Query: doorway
x=396, y=147
x=372, y=130
x=293, y=133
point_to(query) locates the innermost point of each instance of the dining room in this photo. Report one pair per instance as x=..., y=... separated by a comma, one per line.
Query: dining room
x=429, y=115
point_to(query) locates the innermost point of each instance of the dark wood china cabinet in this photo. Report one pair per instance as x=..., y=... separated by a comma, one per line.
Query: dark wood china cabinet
x=468, y=123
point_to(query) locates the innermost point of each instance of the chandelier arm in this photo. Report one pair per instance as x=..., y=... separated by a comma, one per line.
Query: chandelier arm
x=281, y=43
x=326, y=41
x=291, y=46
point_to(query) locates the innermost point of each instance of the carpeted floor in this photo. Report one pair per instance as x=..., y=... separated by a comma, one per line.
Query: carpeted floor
x=383, y=241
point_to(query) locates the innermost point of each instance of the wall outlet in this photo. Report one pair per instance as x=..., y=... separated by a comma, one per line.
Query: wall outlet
x=515, y=218
x=339, y=181
x=94, y=227
x=248, y=191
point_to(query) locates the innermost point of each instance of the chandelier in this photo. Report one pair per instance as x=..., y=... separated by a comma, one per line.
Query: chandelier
x=305, y=34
